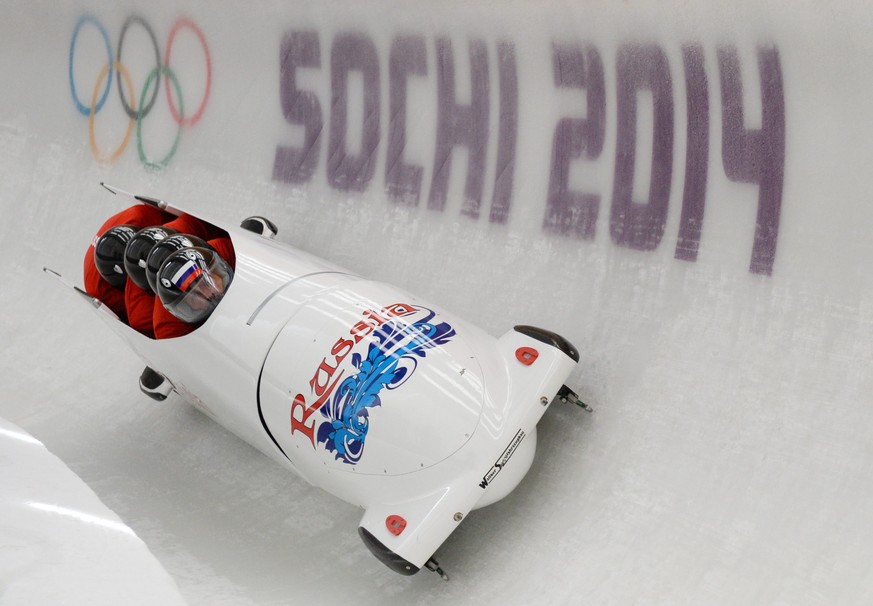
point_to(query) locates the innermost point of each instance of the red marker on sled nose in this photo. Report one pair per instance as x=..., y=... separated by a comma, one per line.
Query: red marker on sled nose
x=395, y=524
x=526, y=355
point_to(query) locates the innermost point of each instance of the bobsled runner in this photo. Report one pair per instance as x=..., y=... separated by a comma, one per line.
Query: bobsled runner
x=364, y=390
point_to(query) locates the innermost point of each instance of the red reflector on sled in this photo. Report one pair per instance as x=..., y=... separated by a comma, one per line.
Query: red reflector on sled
x=526, y=355
x=395, y=524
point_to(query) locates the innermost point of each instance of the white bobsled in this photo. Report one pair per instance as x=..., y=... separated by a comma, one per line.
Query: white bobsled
x=363, y=389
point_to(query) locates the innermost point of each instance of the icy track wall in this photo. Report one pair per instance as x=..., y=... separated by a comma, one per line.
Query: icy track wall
x=682, y=189
x=617, y=141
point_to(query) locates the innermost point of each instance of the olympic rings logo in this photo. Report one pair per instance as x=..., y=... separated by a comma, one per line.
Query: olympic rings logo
x=114, y=64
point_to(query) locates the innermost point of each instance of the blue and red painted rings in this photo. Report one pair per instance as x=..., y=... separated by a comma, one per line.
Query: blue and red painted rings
x=126, y=92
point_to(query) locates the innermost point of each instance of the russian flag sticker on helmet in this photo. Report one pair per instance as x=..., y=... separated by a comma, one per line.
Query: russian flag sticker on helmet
x=186, y=275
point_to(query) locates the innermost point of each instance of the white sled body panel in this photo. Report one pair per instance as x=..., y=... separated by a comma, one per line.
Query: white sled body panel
x=366, y=391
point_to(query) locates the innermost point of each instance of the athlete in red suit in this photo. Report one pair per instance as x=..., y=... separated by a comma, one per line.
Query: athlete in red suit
x=133, y=305
x=140, y=302
x=192, y=226
x=141, y=308
x=168, y=326
x=140, y=215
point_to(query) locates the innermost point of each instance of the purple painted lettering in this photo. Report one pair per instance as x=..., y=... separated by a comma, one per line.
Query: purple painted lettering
x=300, y=108
x=756, y=155
x=696, y=154
x=640, y=225
x=461, y=125
x=501, y=201
x=349, y=171
x=408, y=57
x=567, y=211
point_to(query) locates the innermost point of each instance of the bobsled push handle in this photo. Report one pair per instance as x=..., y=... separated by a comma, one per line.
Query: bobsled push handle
x=261, y=226
x=143, y=199
x=94, y=302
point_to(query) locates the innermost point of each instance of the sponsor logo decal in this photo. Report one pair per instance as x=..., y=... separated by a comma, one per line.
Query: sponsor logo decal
x=186, y=275
x=488, y=478
x=400, y=336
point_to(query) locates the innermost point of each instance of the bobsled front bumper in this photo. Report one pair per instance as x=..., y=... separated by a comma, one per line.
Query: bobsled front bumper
x=533, y=364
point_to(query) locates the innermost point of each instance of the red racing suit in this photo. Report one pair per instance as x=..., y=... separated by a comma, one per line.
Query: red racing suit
x=141, y=304
x=140, y=215
x=139, y=308
x=168, y=326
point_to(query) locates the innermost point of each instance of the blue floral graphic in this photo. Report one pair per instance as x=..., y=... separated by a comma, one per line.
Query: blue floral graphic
x=390, y=362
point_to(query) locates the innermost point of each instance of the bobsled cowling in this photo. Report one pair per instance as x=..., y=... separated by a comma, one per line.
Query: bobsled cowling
x=366, y=391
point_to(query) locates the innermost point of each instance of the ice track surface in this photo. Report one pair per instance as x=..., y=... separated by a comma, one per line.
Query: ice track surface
x=682, y=191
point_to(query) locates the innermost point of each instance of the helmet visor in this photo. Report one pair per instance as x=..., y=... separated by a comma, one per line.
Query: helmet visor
x=202, y=289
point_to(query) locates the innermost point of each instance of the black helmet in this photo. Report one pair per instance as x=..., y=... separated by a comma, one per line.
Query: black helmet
x=192, y=281
x=162, y=250
x=138, y=250
x=109, y=253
